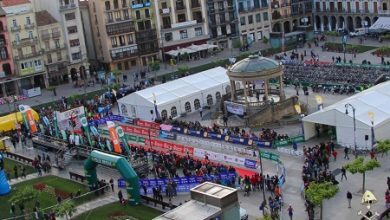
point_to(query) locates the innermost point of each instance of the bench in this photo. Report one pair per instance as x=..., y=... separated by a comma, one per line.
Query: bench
x=76, y=176
x=19, y=158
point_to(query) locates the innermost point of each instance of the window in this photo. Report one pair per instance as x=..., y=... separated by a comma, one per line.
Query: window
x=72, y=29
x=168, y=36
x=116, y=5
x=259, y=35
x=196, y=104
x=126, y=14
x=114, y=42
x=7, y=69
x=265, y=16
x=130, y=39
x=258, y=18
x=74, y=43
x=57, y=43
x=119, y=66
x=28, y=20
x=3, y=53
x=14, y=23
x=126, y=65
x=109, y=17
x=209, y=100
x=107, y=4
x=164, y=114
x=147, y=13
x=181, y=17
x=198, y=31
x=59, y=56
x=17, y=37
x=242, y=21
x=70, y=16
x=47, y=45
x=117, y=16
x=38, y=63
x=187, y=107
x=218, y=96
x=76, y=56
x=124, y=4
x=250, y=19
x=30, y=35
x=183, y=34
x=138, y=14
x=173, y=112
x=49, y=60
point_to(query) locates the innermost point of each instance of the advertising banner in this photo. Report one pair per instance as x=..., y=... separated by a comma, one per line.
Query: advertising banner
x=140, y=131
x=148, y=124
x=252, y=164
x=167, y=135
x=114, y=137
x=235, y=108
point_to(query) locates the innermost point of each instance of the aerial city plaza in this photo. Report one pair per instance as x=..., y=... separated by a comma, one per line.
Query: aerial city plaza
x=194, y=110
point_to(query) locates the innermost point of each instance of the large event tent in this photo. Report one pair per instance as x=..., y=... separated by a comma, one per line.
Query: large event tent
x=176, y=97
x=375, y=100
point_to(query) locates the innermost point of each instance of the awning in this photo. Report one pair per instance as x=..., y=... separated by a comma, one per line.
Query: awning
x=172, y=53
x=381, y=25
x=208, y=46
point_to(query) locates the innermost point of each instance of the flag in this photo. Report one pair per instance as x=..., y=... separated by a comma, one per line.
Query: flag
x=122, y=136
x=28, y=118
x=55, y=122
x=114, y=137
x=84, y=123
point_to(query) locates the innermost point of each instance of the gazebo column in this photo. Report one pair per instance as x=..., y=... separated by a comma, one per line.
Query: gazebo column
x=281, y=90
x=266, y=88
x=245, y=93
x=233, y=90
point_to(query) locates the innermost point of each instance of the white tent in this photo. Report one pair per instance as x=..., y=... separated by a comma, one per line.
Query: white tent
x=381, y=25
x=173, y=98
x=375, y=100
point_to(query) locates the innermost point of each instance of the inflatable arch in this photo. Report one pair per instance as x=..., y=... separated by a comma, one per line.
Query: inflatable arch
x=121, y=164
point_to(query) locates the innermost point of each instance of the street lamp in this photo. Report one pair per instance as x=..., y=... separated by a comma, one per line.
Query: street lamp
x=344, y=41
x=263, y=188
x=354, y=124
x=371, y=115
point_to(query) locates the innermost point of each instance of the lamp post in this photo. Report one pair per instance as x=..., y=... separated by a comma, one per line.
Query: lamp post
x=263, y=188
x=344, y=41
x=371, y=115
x=354, y=124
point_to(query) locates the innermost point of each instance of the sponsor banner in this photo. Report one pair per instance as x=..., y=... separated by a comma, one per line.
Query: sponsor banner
x=75, y=112
x=167, y=135
x=235, y=108
x=31, y=121
x=296, y=139
x=148, y=124
x=140, y=131
x=218, y=157
x=252, y=164
x=114, y=137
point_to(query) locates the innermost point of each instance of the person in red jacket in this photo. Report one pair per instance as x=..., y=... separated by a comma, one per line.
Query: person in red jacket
x=334, y=155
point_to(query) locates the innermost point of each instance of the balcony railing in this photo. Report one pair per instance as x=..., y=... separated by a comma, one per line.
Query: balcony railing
x=67, y=7
x=180, y=7
x=15, y=28
x=195, y=4
x=119, y=28
x=56, y=48
x=45, y=36
x=56, y=34
x=146, y=35
x=118, y=20
x=25, y=42
x=29, y=26
x=124, y=54
x=27, y=56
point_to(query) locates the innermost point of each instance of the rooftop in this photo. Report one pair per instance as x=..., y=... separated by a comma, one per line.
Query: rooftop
x=214, y=190
x=44, y=18
x=192, y=210
x=254, y=64
x=7, y=3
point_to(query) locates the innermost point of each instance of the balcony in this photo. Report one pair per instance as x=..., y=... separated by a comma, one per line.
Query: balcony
x=28, y=26
x=180, y=7
x=195, y=4
x=25, y=42
x=45, y=36
x=53, y=49
x=118, y=20
x=15, y=28
x=146, y=36
x=27, y=56
x=165, y=11
x=67, y=7
x=3, y=43
x=120, y=28
x=123, y=53
x=56, y=34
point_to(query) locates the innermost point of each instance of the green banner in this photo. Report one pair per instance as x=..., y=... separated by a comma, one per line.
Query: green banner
x=296, y=139
x=269, y=156
x=129, y=137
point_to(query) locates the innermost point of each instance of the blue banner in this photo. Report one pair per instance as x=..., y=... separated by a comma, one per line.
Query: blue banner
x=250, y=163
x=167, y=135
x=121, y=183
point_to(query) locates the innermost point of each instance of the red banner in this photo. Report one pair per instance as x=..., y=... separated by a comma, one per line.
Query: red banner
x=31, y=121
x=140, y=131
x=167, y=146
x=148, y=124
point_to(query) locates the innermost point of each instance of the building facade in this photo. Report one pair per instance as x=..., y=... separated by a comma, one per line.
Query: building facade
x=288, y=15
x=146, y=32
x=333, y=15
x=67, y=13
x=181, y=23
x=54, y=49
x=223, y=22
x=255, y=21
x=26, y=50
x=87, y=29
x=8, y=84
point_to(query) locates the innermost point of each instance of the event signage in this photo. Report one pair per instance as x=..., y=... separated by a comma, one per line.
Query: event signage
x=167, y=135
x=121, y=183
x=148, y=124
x=139, y=131
x=269, y=156
x=114, y=137
x=61, y=116
x=235, y=108
x=103, y=162
x=285, y=142
x=250, y=163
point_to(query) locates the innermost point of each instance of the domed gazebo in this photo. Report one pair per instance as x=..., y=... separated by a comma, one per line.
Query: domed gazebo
x=254, y=75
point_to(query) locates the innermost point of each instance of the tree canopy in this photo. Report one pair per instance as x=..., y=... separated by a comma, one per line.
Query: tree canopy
x=317, y=192
x=66, y=208
x=360, y=166
x=24, y=195
x=383, y=146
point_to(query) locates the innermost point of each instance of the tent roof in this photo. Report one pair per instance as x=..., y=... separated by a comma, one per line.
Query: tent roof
x=382, y=24
x=375, y=99
x=180, y=88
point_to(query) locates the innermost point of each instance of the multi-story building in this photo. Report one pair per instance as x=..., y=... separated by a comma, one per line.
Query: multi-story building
x=87, y=29
x=114, y=33
x=67, y=13
x=288, y=15
x=54, y=49
x=255, y=22
x=8, y=84
x=146, y=31
x=333, y=15
x=223, y=22
x=181, y=23
x=24, y=41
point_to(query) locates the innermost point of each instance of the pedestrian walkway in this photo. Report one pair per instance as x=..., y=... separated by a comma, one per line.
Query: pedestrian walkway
x=96, y=203
x=28, y=177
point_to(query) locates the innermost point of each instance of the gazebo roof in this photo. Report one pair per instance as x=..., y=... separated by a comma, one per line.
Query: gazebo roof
x=254, y=64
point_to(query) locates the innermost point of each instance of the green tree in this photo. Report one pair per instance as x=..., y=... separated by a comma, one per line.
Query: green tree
x=360, y=166
x=317, y=192
x=182, y=70
x=383, y=147
x=154, y=65
x=24, y=195
x=265, y=40
x=65, y=209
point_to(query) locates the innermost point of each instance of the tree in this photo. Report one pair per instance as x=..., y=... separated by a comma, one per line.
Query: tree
x=183, y=70
x=383, y=147
x=359, y=166
x=65, y=209
x=317, y=192
x=26, y=194
x=265, y=40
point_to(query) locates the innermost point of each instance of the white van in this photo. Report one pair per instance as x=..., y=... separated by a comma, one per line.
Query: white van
x=357, y=32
